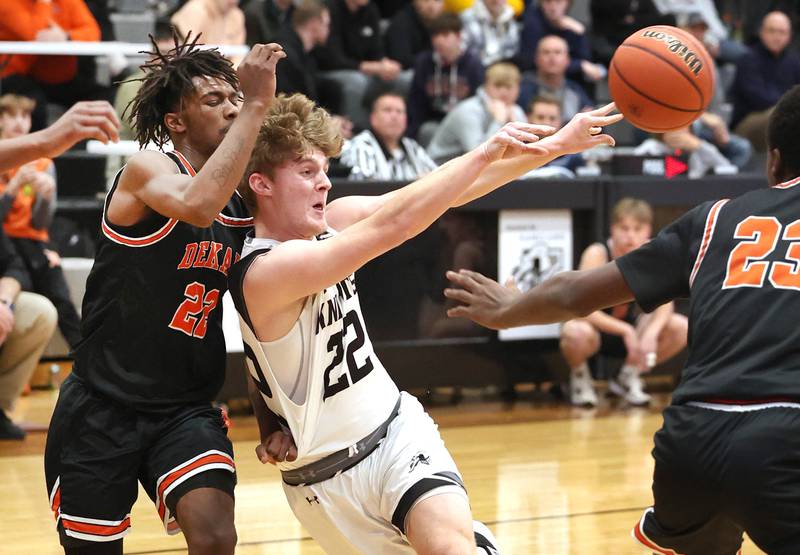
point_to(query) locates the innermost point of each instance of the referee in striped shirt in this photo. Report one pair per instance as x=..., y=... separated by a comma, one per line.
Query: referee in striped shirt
x=382, y=153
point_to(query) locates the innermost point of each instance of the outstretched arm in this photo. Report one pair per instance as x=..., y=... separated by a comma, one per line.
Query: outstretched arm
x=315, y=265
x=85, y=120
x=563, y=297
x=584, y=131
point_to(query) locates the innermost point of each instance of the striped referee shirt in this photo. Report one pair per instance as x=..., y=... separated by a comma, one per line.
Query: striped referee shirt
x=368, y=158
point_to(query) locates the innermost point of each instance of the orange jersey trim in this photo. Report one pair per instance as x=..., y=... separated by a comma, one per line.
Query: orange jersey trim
x=639, y=535
x=140, y=241
x=212, y=460
x=96, y=529
x=185, y=162
x=787, y=184
x=234, y=222
x=708, y=233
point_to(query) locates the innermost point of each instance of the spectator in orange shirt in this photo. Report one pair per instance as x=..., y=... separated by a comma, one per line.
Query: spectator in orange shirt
x=27, y=202
x=47, y=78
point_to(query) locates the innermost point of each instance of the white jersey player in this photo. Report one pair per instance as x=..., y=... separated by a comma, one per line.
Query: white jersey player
x=372, y=474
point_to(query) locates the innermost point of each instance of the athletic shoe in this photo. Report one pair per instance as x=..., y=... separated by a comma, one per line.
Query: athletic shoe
x=581, y=389
x=628, y=385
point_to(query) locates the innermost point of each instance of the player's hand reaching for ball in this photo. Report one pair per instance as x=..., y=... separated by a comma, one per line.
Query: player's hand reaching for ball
x=585, y=131
x=515, y=139
x=257, y=73
x=481, y=299
x=277, y=447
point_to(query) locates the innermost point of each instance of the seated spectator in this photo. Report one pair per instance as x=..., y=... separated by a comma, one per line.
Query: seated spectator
x=624, y=331
x=264, y=18
x=712, y=125
x=381, y=152
x=748, y=16
x=475, y=119
x=353, y=55
x=703, y=156
x=716, y=39
x=298, y=73
x=27, y=322
x=544, y=110
x=26, y=209
x=219, y=21
x=762, y=76
x=407, y=35
x=614, y=20
x=443, y=77
x=550, y=18
x=491, y=31
x=697, y=25
x=47, y=78
x=550, y=79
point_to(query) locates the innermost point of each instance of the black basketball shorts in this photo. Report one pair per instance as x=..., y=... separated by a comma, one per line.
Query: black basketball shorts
x=97, y=450
x=719, y=473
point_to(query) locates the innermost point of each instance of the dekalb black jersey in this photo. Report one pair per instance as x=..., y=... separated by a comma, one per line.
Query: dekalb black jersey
x=152, y=314
x=739, y=262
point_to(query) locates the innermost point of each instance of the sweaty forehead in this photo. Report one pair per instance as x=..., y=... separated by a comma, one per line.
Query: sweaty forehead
x=204, y=84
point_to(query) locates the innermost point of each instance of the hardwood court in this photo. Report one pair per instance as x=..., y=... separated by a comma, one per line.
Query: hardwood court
x=546, y=479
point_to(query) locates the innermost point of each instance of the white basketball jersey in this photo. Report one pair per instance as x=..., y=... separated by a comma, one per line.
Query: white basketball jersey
x=348, y=393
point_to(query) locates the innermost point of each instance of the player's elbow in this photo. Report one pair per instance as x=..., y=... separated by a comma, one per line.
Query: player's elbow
x=198, y=220
x=199, y=214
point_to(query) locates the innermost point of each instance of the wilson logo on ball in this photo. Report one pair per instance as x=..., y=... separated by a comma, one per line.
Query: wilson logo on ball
x=661, y=78
x=690, y=58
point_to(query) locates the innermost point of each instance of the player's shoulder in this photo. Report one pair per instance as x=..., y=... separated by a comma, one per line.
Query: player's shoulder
x=147, y=164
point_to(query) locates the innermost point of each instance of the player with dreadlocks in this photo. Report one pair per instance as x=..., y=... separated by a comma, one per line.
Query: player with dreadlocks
x=137, y=406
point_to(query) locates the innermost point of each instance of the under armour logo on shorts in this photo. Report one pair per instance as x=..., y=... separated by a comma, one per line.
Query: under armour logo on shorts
x=312, y=500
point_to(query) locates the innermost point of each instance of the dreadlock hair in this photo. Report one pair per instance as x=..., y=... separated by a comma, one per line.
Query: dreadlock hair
x=168, y=80
x=293, y=126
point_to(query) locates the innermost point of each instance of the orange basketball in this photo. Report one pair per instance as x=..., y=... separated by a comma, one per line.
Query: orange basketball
x=661, y=78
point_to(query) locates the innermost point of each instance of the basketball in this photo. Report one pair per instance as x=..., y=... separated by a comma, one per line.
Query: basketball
x=661, y=78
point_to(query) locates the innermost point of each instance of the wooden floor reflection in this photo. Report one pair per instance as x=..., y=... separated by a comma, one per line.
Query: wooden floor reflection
x=546, y=479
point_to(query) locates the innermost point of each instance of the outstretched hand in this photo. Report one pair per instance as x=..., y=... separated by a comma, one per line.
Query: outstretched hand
x=93, y=119
x=482, y=299
x=277, y=447
x=515, y=139
x=585, y=130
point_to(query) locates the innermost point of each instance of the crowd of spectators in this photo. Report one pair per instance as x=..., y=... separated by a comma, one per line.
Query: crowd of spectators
x=437, y=55
x=411, y=84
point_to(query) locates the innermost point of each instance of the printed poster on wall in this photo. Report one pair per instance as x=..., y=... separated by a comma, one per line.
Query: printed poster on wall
x=533, y=245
